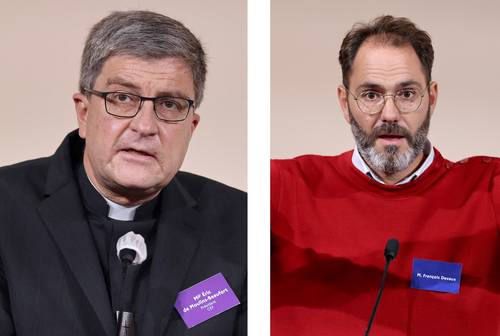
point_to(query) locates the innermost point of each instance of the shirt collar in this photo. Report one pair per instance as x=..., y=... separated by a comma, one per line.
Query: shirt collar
x=361, y=165
x=120, y=212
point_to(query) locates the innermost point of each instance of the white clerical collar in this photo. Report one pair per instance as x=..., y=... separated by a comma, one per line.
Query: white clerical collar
x=361, y=165
x=120, y=212
x=117, y=211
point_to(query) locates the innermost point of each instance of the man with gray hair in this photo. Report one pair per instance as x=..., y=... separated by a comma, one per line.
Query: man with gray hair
x=107, y=235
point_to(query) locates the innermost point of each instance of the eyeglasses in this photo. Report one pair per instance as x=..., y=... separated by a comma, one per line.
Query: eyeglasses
x=406, y=100
x=127, y=105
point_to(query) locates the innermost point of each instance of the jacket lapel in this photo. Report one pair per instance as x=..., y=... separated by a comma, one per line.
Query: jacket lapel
x=63, y=214
x=178, y=235
x=64, y=217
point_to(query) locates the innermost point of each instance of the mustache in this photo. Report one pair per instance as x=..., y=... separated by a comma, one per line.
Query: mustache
x=390, y=129
x=367, y=140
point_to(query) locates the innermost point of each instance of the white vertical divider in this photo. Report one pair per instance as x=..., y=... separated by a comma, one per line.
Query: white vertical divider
x=258, y=166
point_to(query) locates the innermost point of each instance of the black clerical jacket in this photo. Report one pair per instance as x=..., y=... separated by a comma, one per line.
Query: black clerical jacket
x=51, y=282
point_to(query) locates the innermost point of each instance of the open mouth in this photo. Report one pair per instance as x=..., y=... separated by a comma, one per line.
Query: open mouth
x=391, y=136
x=137, y=153
x=391, y=139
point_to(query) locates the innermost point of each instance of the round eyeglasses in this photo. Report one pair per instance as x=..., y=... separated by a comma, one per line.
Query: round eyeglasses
x=406, y=100
x=127, y=105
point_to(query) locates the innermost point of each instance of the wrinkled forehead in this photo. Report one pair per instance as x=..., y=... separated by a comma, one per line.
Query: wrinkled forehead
x=147, y=75
x=385, y=65
x=130, y=56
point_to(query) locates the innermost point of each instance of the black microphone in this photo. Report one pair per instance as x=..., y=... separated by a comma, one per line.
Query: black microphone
x=131, y=250
x=391, y=249
x=390, y=252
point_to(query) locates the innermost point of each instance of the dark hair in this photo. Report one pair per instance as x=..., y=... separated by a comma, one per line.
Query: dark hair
x=386, y=29
x=145, y=35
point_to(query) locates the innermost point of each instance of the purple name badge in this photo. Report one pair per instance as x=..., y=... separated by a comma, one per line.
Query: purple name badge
x=204, y=300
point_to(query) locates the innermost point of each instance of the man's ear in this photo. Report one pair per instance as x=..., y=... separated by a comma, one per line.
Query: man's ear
x=195, y=121
x=433, y=96
x=343, y=97
x=81, y=109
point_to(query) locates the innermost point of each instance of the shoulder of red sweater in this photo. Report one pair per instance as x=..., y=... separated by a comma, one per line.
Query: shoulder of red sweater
x=476, y=162
x=480, y=159
x=309, y=166
x=309, y=160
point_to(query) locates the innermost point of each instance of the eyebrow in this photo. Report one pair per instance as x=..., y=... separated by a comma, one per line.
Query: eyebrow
x=410, y=83
x=135, y=88
x=122, y=82
x=371, y=85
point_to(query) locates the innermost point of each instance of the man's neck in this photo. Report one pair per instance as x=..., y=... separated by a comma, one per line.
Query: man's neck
x=126, y=197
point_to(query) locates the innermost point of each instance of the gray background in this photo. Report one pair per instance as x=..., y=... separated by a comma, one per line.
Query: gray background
x=40, y=54
x=306, y=37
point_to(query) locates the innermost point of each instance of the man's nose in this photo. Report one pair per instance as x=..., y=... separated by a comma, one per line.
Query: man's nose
x=390, y=112
x=145, y=121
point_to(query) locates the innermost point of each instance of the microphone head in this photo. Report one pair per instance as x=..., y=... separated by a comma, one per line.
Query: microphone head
x=127, y=256
x=131, y=246
x=391, y=249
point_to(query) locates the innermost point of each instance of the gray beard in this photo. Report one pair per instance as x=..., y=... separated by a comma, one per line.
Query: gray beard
x=390, y=161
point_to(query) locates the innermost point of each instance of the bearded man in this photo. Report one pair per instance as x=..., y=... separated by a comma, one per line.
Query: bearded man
x=331, y=216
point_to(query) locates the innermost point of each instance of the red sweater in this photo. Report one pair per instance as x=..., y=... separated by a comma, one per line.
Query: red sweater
x=330, y=224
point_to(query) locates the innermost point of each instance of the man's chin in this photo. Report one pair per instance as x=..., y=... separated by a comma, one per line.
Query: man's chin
x=138, y=182
x=136, y=185
x=391, y=146
x=390, y=159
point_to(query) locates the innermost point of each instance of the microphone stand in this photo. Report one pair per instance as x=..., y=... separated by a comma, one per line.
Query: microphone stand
x=390, y=252
x=132, y=252
x=126, y=318
x=379, y=296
